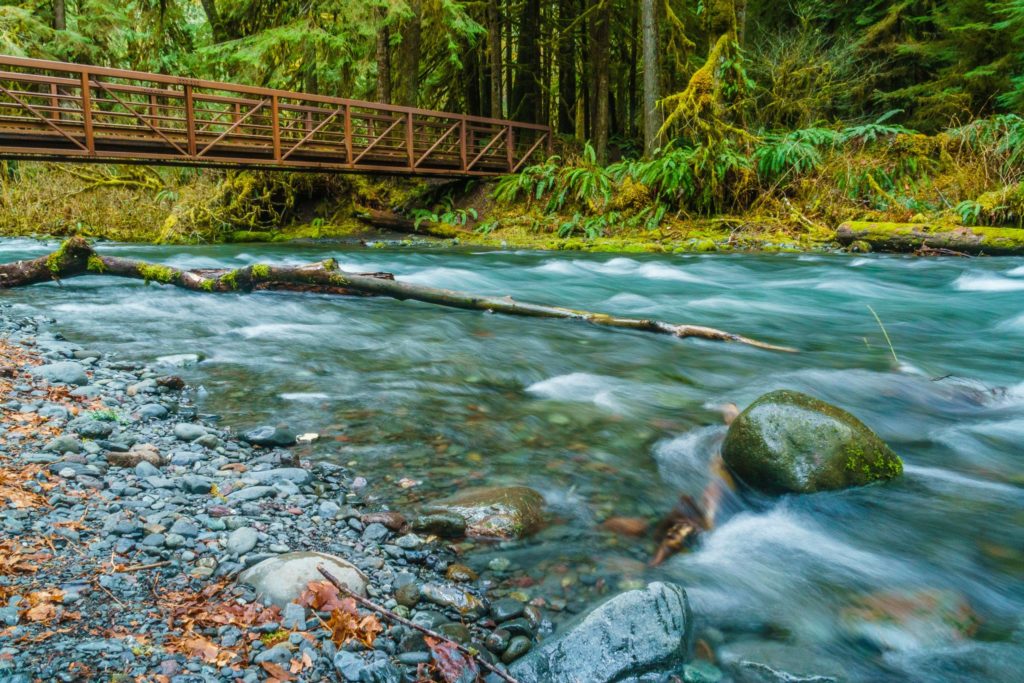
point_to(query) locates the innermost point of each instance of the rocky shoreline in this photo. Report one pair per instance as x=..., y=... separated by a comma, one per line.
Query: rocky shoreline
x=140, y=541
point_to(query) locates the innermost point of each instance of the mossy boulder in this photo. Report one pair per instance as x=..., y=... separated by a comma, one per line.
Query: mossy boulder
x=788, y=442
x=494, y=511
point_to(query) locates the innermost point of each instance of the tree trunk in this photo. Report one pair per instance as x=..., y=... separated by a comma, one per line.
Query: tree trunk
x=216, y=28
x=652, y=70
x=383, y=60
x=600, y=46
x=76, y=258
x=494, y=55
x=409, y=55
x=526, y=89
x=59, y=21
x=566, y=68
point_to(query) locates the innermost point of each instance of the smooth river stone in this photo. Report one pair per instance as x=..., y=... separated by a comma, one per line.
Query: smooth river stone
x=282, y=579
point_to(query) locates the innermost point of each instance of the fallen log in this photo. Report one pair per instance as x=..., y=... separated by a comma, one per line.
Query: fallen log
x=76, y=257
x=930, y=238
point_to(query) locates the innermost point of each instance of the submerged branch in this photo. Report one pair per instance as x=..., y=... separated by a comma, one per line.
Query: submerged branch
x=76, y=258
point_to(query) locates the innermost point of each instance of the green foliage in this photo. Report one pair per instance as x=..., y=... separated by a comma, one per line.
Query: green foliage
x=786, y=156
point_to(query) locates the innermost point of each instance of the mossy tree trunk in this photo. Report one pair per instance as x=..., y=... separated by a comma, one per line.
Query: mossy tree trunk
x=76, y=258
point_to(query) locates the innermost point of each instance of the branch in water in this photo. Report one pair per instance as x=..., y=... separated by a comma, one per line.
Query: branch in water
x=76, y=258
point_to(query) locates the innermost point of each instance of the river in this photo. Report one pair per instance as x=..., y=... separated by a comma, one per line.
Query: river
x=920, y=579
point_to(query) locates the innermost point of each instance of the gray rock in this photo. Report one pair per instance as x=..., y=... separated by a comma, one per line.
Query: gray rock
x=375, y=532
x=146, y=469
x=90, y=428
x=282, y=579
x=328, y=509
x=152, y=411
x=296, y=475
x=788, y=442
x=180, y=360
x=251, y=493
x=270, y=436
x=64, y=372
x=64, y=444
x=451, y=596
x=494, y=511
x=635, y=633
x=188, y=431
x=279, y=654
x=193, y=483
x=349, y=665
x=241, y=541
x=293, y=617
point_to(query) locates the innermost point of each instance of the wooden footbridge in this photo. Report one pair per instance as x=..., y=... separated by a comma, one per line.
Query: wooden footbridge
x=75, y=113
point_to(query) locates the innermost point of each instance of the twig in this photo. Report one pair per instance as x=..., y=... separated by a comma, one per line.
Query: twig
x=140, y=567
x=885, y=334
x=405, y=622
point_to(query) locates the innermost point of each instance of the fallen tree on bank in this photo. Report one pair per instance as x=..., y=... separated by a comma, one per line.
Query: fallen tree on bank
x=76, y=258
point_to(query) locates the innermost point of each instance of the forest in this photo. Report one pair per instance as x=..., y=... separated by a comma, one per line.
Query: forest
x=787, y=119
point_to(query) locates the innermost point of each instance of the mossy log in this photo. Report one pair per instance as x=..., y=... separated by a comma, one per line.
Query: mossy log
x=915, y=237
x=76, y=257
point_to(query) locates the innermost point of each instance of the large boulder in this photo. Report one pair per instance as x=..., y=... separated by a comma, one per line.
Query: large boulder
x=494, y=511
x=63, y=372
x=788, y=442
x=631, y=637
x=282, y=579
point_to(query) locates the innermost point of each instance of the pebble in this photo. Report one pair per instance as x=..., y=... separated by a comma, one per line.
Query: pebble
x=242, y=540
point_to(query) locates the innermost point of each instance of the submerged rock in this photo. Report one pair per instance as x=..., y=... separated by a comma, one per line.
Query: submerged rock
x=635, y=633
x=282, y=579
x=494, y=511
x=270, y=436
x=758, y=661
x=788, y=442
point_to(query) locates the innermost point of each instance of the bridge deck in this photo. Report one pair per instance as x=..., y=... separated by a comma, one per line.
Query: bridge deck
x=71, y=112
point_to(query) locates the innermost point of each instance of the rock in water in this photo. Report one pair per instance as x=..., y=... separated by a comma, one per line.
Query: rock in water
x=788, y=442
x=282, y=579
x=270, y=436
x=494, y=511
x=632, y=635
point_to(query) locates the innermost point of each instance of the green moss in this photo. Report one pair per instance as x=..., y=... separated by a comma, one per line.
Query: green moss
x=157, y=273
x=261, y=270
x=95, y=264
x=230, y=279
x=55, y=261
x=207, y=285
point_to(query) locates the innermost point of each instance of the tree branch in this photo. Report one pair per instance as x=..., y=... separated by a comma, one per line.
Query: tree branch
x=76, y=257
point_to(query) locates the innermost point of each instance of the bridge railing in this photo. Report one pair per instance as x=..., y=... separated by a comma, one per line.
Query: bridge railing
x=58, y=110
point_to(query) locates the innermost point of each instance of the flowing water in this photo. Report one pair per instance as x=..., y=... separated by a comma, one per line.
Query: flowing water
x=920, y=579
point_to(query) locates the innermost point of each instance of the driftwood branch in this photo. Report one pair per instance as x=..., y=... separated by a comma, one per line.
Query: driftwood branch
x=76, y=258
x=422, y=629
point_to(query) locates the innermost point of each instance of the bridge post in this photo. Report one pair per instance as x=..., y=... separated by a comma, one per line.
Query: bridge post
x=275, y=127
x=510, y=147
x=408, y=140
x=348, y=134
x=90, y=142
x=463, y=154
x=190, y=121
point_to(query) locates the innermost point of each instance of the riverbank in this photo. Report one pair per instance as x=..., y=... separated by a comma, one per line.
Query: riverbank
x=128, y=521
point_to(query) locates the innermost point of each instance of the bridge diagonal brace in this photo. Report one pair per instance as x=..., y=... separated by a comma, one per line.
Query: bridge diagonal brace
x=497, y=137
x=313, y=132
x=529, y=153
x=236, y=124
x=140, y=117
x=45, y=119
x=378, y=139
x=436, y=144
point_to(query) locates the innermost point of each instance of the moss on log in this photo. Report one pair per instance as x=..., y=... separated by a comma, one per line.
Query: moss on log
x=913, y=237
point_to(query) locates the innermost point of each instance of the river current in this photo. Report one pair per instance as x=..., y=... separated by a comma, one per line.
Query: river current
x=918, y=579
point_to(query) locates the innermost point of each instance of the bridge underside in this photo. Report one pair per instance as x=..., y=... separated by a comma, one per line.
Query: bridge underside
x=72, y=113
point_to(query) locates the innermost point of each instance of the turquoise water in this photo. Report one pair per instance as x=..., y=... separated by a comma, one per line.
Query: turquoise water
x=922, y=579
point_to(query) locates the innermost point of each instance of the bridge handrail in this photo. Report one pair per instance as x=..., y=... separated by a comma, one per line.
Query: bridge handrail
x=71, y=67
